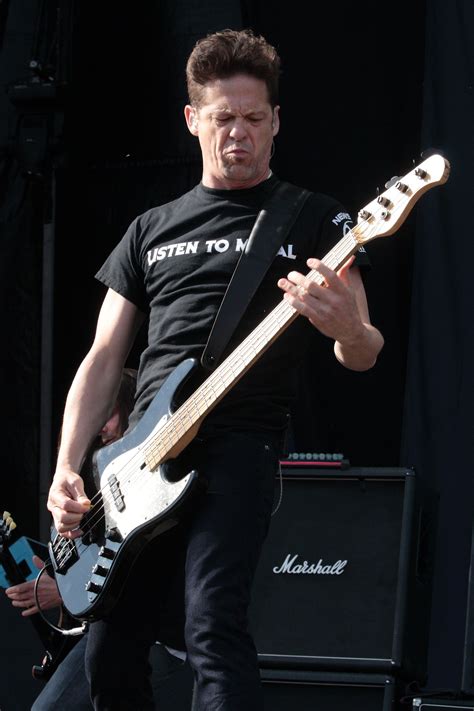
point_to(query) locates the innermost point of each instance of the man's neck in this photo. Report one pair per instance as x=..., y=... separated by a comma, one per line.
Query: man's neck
x=211, y=182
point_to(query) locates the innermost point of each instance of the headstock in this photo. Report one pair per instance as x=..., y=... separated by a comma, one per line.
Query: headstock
x=7, y=526
x=384, y=215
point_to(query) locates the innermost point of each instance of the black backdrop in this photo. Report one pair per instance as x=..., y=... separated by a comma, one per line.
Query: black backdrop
x=365, y=88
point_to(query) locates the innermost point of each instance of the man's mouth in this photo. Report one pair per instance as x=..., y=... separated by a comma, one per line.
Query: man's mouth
x=236, y=156
x=236, y=151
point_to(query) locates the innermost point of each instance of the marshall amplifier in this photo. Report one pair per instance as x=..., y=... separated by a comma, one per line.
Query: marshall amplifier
x=433, y=704
x=343, y=583
x=308, y=691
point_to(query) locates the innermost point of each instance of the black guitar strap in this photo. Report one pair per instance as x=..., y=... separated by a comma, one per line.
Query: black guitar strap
x=273, y=223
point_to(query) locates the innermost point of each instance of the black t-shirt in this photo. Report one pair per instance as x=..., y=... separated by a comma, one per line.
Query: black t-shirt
x=175, y=262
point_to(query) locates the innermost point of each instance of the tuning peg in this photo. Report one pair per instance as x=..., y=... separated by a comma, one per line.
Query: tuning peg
x=390, y=183
x=12, y=525
x=6, y=514
x=419, y=172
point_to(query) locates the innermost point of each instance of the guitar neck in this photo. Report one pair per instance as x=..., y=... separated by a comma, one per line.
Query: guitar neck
x=258, y=341
x=188, y=417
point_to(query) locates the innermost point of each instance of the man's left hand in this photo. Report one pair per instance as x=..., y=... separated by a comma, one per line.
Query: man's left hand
x=330, y=306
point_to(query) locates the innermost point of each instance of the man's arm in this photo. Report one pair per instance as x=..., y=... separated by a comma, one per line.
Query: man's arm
x=89, y=402
x=338, y=309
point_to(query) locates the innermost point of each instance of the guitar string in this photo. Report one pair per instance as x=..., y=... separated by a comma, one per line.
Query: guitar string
x=168, y=432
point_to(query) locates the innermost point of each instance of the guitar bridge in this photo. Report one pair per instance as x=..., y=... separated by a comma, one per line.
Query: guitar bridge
x=63, y=554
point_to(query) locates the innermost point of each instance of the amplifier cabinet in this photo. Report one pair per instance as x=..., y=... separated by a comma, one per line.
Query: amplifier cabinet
x=308, y=691
x=343, y=583
x=433, y=704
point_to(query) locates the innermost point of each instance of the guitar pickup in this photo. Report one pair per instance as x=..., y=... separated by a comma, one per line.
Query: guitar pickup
x=116, y=493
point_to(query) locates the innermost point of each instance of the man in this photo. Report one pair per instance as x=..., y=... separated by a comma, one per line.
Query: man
x=68, y=685
x=173, y=266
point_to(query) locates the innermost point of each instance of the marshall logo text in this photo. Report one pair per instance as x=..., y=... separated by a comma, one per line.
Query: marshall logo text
x=290, y=565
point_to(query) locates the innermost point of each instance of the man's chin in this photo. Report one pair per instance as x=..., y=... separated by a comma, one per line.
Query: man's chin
x=236, y=171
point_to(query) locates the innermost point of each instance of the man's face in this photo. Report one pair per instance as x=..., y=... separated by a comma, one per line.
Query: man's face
x=235, y=125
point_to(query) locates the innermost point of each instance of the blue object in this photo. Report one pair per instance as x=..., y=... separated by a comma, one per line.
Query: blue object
x=22, y=551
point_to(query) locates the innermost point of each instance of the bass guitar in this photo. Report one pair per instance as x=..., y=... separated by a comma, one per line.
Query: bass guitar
x=137, y=498
x=15, y=552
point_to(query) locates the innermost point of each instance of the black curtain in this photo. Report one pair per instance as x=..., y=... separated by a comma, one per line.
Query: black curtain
x=21, y=226
x=438, y=421
x=351, y=111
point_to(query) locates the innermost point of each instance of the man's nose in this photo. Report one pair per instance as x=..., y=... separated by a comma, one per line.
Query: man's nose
x=239, y=129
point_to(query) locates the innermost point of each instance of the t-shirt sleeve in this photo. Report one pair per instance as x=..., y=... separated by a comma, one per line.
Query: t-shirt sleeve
x=123, y=272
x=336, y=223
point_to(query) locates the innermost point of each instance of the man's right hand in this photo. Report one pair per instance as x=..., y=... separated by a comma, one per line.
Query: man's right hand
x=68, y=502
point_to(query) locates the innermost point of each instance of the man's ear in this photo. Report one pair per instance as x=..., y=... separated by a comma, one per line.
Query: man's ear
x=276, y=120
x=191, y=119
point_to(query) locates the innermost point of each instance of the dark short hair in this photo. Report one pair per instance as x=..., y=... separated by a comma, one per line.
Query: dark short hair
x=229, y=52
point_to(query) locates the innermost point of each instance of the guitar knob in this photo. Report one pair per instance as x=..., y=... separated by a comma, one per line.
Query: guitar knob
x=93, y=587
x=106, y=553
x=113, y=534
x=100, y=570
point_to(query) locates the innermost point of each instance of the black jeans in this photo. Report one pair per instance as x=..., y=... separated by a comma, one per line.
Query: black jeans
x=68, y=687
x=205, y=568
